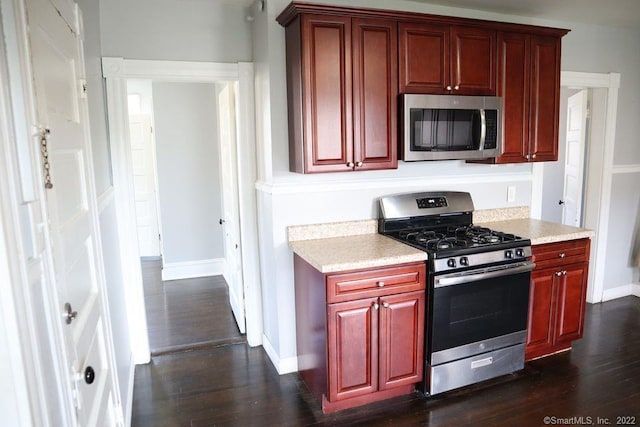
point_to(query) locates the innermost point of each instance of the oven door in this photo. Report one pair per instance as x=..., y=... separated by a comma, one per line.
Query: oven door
x=476, y=311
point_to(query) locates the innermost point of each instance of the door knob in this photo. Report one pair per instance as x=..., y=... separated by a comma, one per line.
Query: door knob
x=89, y=375
x=69, y=314
x=222, y=221
x=561, y=202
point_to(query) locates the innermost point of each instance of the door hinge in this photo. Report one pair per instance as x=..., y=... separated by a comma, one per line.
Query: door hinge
x=83, y=88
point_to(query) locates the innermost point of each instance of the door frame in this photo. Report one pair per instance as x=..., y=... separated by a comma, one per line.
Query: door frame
x=116, y=71
x=600, y=213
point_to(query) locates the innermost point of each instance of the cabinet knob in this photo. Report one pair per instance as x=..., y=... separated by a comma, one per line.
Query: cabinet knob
x=376, y=306
x=448, y=88
x=380, y=284
x=558, y=273
x=349, y=164
x=533, y=156
x=527, y=157
x=457, y=87
x=564, y=272
x=359, y=164
x=385, y=304
x=561, y=255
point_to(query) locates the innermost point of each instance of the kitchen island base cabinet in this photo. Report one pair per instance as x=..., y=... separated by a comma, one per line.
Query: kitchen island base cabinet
x=557, y=297
x=362, y=350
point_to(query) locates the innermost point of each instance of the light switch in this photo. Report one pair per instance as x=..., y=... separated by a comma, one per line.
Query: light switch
x=511, y=193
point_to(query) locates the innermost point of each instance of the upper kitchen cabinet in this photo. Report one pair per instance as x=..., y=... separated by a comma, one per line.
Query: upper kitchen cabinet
x=446, y=59
x=342, y=92
x=529, y=84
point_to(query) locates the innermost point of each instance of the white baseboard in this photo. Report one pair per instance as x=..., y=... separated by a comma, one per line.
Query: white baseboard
x=191, y=269
x=621, y=291
x=283, y=366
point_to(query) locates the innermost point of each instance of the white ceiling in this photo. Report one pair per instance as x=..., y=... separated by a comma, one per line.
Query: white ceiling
x=615, y=13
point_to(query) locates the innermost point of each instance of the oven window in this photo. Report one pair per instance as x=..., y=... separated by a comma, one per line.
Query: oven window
x=476, y=311
x=434, y=129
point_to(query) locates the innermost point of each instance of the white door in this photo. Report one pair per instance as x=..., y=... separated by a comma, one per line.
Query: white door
x=144, y=182
x=231, y=220
x=577, y=116
x=61, y=108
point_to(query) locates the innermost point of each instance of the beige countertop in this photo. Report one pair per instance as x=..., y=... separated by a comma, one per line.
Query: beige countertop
x=539, y=232
x=354, y=252
x=354, y=245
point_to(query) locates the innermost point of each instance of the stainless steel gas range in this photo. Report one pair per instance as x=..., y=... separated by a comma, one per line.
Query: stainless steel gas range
x=478, y=288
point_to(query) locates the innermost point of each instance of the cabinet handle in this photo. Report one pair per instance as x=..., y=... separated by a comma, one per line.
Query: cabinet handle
x=349, y=164
x=359, y=164
x=456, y=87
x=385, y=304
x=561, y=255
x=380, y=284
x=376, y=306
x=558, y=273
x=448, y=88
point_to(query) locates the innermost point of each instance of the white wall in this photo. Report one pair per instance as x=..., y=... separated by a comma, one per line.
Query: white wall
x=179, y=30
x=103, y=179
x=287, y=199
x=189, y=192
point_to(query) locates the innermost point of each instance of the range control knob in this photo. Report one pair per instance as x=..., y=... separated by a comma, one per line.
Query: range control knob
x=520, y=252
x=451, y=262
x=508, y=254
x=464, y=261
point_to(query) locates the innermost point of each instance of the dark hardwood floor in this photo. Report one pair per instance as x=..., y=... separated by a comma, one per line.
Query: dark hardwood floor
x=237, y=386
x=187, y=314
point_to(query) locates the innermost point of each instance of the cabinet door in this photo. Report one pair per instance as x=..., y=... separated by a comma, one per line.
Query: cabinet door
x=473, y=52
x=541, y=320
x=572, y=290
x=352, y=330
x=545, y=98
x=401, y=339
x=327, y=99
x=375, y=93
x=513, y=87
x=424, y=58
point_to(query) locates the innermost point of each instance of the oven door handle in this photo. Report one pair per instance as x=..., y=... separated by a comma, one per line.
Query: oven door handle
x=488, y=273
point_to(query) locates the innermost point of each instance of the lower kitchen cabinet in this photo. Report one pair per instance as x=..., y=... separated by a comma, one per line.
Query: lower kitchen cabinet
x=365, y=349
x=557, y=297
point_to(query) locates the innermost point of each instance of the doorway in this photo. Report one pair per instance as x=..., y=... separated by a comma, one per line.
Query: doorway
x=595, y=196
x=182, y=136
x=117, y=71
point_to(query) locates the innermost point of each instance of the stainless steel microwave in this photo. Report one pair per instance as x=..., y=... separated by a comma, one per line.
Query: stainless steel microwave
x=444, y=127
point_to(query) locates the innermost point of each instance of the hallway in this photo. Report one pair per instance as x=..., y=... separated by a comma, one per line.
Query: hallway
x=187, y=314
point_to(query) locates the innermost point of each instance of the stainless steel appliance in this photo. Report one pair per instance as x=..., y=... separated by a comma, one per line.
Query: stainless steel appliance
x=478, y=288
x=440, y=127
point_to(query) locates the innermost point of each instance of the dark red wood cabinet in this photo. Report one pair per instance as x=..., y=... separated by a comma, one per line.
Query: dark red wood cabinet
x=360, y=334
x=438, y=58
x=346, y=66
x=342, y=90
x=529, y=84
x=557, y=297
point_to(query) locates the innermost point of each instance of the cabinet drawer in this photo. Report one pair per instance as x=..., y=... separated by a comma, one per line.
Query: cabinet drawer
x=562, y=253
x=375, y=282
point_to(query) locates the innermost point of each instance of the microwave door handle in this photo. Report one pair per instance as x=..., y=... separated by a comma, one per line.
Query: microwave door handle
x=483, y=128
